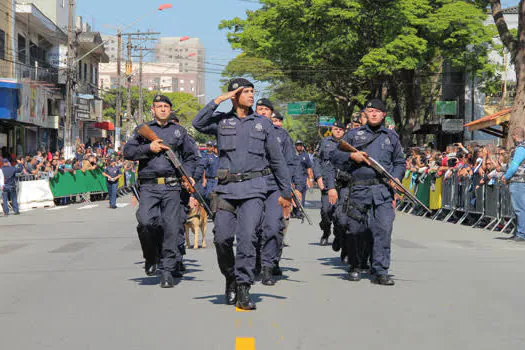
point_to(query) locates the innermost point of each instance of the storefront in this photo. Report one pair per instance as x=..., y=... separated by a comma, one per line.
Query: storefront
x=9, y=102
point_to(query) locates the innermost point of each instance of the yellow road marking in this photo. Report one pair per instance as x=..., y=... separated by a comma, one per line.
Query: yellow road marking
x=244, y=343
x=241, y=310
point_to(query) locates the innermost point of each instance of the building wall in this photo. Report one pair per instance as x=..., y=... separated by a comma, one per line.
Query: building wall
x=55, y=10
x=6, y=26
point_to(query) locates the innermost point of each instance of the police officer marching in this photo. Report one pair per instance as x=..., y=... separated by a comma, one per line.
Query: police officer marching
x=368, y=203
x=248, y=152
x=305, y=173
x=326, y=147
x=273, y=225
x=211, y=164
x=161, y=213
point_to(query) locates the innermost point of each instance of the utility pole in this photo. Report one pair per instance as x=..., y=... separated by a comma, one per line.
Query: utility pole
x=141, y=98
x=68, y=132
x=129, y=71
x=118, y=98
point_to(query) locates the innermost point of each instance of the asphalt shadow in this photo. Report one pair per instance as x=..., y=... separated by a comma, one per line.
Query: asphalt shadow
x=220, y=299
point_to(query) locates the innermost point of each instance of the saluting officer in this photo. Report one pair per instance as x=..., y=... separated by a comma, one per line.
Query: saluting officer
x=248, y=151
x=161, y=211
x=369, y=204
x=326, y=147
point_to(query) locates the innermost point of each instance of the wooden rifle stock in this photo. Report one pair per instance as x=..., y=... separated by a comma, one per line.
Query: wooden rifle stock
x=393, y=182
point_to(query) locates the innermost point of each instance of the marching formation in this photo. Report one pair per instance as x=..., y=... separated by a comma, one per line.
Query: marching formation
x=252, y=180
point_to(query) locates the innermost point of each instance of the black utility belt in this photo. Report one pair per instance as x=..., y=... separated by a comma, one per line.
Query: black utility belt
x=240, y=177
x=212, y=178
x=369, y=182
x=160, y=181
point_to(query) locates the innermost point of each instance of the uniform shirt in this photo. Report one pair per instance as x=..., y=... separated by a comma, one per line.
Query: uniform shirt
x=10, y=173
x=385, y=149
x=304, y=165
x=245, y=145
x=211, y=165
x=326, y=147
x=516, y=171
x=153, y=165
x=288, y=151
x=112, y=171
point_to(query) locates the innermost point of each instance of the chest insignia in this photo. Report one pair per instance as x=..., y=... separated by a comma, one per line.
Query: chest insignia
x=258, y=127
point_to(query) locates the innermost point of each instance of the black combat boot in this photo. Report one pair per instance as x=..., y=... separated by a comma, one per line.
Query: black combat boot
x=150, y=268
x=383, y=280
x=231, y=291
x=354, y=275
x=267, y=276
x=244, y=300
x=277, y=270
x=166, y=280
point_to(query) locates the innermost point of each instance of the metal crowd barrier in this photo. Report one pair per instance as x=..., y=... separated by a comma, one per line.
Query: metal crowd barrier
x=490, y=206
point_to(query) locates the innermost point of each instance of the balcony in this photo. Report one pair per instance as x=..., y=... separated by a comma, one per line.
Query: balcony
x=37, y=74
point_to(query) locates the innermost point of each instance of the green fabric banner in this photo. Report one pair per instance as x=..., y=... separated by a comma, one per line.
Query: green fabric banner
x=72, y=183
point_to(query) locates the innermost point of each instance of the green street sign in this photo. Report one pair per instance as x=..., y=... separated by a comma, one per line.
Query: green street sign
x=446, y=107
x=298, y=108
x=326, y=121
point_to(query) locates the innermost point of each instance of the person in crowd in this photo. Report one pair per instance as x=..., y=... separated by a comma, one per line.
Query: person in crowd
x=9, y=188
x=515, y=176
x=112, y=173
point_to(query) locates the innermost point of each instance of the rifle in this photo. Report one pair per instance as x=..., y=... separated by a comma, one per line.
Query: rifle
x=145, y=131
x=394, y=183
x=300, y=206
x=135, y=192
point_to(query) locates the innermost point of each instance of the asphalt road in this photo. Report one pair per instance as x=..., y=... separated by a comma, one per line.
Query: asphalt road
x=72, y=278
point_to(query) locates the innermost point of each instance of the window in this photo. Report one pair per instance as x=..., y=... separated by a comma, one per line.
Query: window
x=182, y=81
x=157, y=83
x=62, y=3
x=181, y=89
x=85, y=72
x=21, y=49
x=192, y=82
x=79, y=70
x=174, y=84
x=2, y=44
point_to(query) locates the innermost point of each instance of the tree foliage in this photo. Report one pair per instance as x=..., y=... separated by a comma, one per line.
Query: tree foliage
x=351, y=50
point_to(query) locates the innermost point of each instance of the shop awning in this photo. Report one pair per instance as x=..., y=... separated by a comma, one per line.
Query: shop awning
x=498, y=118
x=105, y=125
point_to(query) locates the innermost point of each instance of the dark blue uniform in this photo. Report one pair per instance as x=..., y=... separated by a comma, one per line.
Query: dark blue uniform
x=326, y=147
x=211, y=165
x=369, y=203
x=161, y=212
x=248, y=150
x=112, y=171
x=273, y=224
x=9, y=192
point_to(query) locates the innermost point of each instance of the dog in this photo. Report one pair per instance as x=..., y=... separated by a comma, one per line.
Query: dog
x=197, y=220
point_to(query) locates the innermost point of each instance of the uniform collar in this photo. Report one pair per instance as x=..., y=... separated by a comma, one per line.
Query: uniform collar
x=251, y=114
x=154, y=122
x=381, y=129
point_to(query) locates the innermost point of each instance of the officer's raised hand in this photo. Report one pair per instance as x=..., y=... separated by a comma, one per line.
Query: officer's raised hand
x=229, y=95
x=360, y=157
x=157, y=146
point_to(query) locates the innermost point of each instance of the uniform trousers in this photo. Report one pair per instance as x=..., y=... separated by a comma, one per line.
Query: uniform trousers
x=272, y=225
x=327, y=213
x=242, y=225
x=378, y=221
x=161, y=217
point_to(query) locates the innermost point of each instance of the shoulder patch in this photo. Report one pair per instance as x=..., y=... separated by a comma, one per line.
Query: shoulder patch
x=361, y=132
x=177, y=133
x=258, y=127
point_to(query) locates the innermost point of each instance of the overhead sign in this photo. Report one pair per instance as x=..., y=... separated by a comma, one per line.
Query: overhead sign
x=299, y=108
x=326, y=121
x=452, y=126
x=446, y=108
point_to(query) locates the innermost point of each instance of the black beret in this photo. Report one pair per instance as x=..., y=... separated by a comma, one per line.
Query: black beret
x=162, y=98
x=299, y=142
x=377, y=104
x=356, y=119
x=338, y=124
x=239, y=82
x=277, y=115
x=265, y=102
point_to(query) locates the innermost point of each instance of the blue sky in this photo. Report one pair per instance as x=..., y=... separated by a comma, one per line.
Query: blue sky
x=193, y=18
